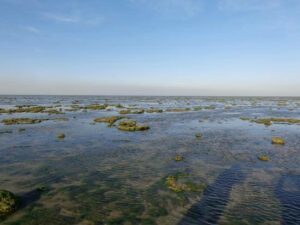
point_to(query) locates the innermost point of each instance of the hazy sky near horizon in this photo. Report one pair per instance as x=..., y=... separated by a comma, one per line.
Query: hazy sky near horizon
x=150, y=47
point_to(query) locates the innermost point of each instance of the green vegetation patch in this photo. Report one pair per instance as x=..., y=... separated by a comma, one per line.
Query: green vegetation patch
x=9, y=203
x=264, y=158
x=110, y=120
x=176, y=184
x=131, y=125
x=153, y=110
x=278, y=141
x=269, y=121
x=13, y=121
x=132, y=111
x=178, y=110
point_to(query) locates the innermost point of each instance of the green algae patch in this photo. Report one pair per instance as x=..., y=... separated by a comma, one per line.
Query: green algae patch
x=110, y=120
x=278, y=141
x=95, y=107
x=270, y=121
x=178, y=158
x=179, y=110
x=175, y=184
x=264, y=158
x=9, y=203
x=132, y=111
x=198, y=135
x=131, y=125
x=152, y=110
x=245, y=118
x=210, y=107
x=61, y=136
x=15, y=121
x=53, y=111
x=197, y=108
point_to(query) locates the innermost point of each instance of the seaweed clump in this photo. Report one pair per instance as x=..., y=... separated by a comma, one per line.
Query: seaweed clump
x=13, y=121
x=131, y=125
x=110, y=120
x=278, y=141
x=174, y=184
x=9, y=203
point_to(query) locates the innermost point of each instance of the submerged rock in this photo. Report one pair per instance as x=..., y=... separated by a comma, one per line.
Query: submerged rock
x=9, y=203
x=278, y=141
x=131, y=125
x=13, y=121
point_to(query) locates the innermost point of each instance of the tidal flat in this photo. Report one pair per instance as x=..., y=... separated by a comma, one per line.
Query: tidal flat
x=97, y=160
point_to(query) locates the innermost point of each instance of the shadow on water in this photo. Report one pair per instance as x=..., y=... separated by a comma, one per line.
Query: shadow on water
x=290, y=200
x=26, y=200
x=29, y=198
x=215, y=199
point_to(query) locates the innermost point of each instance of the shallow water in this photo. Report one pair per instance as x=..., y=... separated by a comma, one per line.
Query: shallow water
x=101, y=175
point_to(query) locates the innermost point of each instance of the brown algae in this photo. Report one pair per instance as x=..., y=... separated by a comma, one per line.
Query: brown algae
x=132, y=111
x=178, y=158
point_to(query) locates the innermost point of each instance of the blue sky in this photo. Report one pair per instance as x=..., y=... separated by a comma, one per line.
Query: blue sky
x=150, y=47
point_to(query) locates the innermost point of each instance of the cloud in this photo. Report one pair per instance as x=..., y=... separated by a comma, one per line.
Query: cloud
x=31, y=29
x=249, y=5
x=187, y=8
x=61, y=18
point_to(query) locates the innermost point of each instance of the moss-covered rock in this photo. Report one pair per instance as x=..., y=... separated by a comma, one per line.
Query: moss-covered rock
x=198, y=135
x=9, y=203
x=131, y=125
x=270, y=121
x=278, y=141
x=132, y=111
x=13, y=121
x=153, y=110
x=263, y=158
x=178, y=158
x=110, y=120
x=178, y=110
x=61, y=136
x=94, y=107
